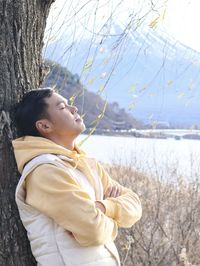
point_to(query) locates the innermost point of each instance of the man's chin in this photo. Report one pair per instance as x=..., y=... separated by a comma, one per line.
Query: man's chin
x=83, y=128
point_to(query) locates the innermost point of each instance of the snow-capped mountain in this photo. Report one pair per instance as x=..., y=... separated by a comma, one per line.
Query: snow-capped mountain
x=150, y=74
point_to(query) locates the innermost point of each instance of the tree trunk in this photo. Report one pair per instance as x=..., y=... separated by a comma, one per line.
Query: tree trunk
x=22, y=25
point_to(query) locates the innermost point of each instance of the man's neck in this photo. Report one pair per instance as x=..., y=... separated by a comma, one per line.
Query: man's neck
x=66, y=142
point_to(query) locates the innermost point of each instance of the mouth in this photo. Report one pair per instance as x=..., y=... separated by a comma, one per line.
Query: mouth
x=78, y=119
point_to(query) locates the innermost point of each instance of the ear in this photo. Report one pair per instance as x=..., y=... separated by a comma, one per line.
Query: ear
x=43, y=126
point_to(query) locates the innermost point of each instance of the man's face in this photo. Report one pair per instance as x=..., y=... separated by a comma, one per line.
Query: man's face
x=63, y=118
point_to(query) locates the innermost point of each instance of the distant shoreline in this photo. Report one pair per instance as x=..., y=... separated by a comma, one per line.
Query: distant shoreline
x=177, y=134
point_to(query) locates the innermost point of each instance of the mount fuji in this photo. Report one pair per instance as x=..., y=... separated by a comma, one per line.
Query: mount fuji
x=149, y=73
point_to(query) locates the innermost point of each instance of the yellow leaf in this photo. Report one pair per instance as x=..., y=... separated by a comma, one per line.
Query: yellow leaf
x=83, y=115
x=132, y=88
x=154, y=22
x=72, y=99
x=169, y=82
x=95, y=123
x=163, y=15
x=100, y=116
x=143, y=89
x=131, y=105
x=181, y=95
x=191, y=85
x=88, y=65
x=101, y=89
x=126, y=247
x=91, y=81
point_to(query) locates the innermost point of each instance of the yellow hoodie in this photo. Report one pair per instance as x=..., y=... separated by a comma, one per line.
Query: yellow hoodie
x=52, y=191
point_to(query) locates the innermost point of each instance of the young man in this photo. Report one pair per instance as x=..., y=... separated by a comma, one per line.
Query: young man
x=69, y=205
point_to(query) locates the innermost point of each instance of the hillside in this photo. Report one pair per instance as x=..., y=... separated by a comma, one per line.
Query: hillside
x=90, y=104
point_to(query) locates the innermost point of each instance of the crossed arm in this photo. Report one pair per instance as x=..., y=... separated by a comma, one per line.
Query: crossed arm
x=113, y=191
x=54, y=192
x=120, y=203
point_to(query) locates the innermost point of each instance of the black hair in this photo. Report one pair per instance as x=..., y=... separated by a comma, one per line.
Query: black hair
x=31, y=108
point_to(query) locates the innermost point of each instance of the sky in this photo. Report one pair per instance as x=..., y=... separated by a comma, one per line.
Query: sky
x=182, y=21
x=178, y=18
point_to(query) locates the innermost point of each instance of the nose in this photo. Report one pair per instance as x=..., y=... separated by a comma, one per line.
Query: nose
x=74, y=109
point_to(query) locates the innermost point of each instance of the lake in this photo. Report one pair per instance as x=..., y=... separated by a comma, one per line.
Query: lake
x=164, y=158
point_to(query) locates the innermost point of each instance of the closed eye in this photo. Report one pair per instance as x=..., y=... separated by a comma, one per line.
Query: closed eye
x=62, y=106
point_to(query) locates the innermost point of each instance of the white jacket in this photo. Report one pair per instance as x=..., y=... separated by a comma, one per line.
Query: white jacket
x=51, y=244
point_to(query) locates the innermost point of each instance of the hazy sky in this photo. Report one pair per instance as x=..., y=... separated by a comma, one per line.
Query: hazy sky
x=179, y=18
x=182, y=21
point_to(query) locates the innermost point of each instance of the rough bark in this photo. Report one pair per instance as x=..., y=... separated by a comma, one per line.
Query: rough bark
x=22, y=25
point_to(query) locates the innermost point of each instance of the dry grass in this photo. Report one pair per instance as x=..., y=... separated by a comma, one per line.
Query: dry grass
x=169, y=231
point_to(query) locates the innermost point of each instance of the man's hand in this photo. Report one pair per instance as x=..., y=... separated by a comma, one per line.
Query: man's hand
x=100, y=206
x=112, y=191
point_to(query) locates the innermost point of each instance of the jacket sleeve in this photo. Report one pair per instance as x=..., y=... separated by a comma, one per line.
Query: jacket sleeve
x=53, y=192
x=126, y=209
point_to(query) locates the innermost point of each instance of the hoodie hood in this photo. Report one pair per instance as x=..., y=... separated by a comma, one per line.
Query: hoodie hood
x=28, y=147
